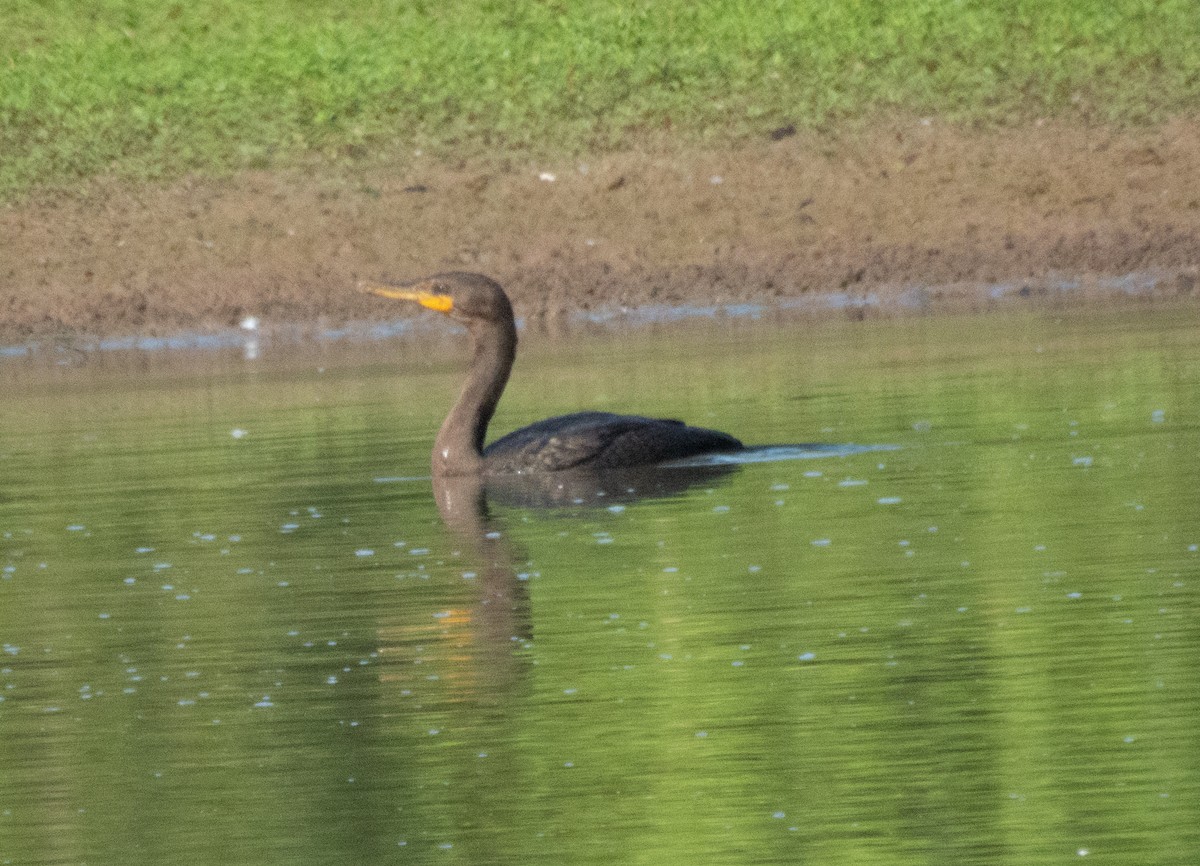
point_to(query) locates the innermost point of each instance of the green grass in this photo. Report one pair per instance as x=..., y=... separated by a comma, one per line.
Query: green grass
x=143, y=88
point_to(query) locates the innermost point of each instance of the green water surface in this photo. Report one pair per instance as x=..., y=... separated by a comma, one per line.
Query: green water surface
x=236, y=628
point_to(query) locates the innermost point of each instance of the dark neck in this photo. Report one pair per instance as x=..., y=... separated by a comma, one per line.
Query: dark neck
x=458, y=449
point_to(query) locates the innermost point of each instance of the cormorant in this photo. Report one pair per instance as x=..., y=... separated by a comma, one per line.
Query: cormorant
x=583, y=440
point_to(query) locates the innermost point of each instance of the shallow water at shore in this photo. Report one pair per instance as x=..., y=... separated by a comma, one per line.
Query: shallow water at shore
x=239, y=625
x=1166, y=288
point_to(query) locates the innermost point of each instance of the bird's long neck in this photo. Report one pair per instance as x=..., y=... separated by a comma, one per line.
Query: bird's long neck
x=458, y=449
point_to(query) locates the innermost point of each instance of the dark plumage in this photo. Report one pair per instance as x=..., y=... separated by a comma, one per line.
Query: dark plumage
x=601, y=440
x=584, y=440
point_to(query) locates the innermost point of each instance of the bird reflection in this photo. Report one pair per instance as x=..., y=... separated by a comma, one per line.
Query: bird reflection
x=586, y=488
x=476, y=644
x=503, y=608
x=503, y=615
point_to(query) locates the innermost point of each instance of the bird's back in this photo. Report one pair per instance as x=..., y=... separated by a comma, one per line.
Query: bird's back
x=601, y=440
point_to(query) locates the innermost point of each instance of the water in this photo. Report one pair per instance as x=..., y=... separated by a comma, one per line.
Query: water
x=238, y=626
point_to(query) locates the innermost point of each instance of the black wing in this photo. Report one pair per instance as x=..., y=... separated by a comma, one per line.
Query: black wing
x=601, y=440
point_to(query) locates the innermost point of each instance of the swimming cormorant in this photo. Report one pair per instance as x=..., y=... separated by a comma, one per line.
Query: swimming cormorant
x=583, y=440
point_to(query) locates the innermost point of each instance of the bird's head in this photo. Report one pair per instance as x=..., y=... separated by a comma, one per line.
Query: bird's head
x=460, y=295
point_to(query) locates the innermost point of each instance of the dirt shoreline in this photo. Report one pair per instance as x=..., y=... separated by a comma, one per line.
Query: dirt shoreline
x=912, y=217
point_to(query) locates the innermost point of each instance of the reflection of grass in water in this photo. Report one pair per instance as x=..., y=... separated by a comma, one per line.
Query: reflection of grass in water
x=966, y=648
x=154, y=88
x=698, y=663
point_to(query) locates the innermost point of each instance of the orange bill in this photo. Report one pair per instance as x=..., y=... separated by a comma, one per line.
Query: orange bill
x=425, y=297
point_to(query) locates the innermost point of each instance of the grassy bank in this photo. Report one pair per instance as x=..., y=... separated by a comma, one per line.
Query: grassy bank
x=142, y=88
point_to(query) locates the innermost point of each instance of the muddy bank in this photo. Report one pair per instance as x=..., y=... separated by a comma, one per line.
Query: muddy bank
x=803, y=217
